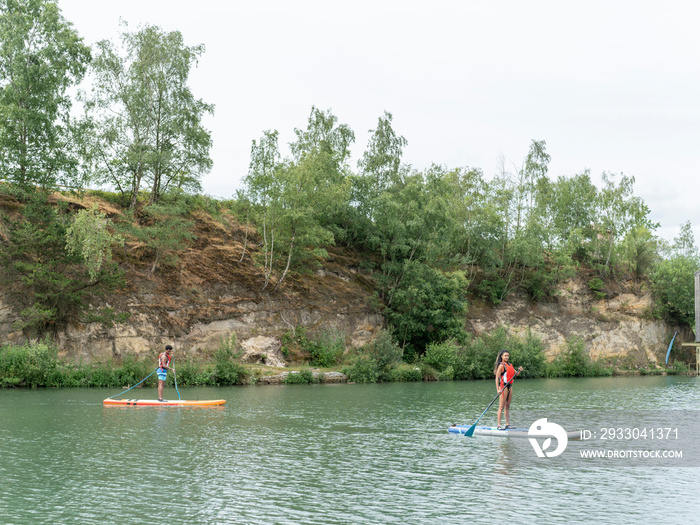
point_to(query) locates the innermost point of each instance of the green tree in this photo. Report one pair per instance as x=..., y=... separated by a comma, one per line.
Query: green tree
x=673, y=280
x=684, y=245
x=321, y=151
x=401, y=230
x=89, y=237
x=412, y=224
x=304, y=195
x=323, y=134
x=51, y=282
x=148, y=124
x=379, y=166
x=575, y=199
x=536, y=167
x=301, y=201
x=617, y=211
x=263, y=190
x=640, y=251
x=41, y=57
x=427, y=307
x=472, y=227
x=164, y=229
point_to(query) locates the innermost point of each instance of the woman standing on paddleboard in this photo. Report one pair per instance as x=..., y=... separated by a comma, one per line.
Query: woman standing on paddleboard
x=505, y=374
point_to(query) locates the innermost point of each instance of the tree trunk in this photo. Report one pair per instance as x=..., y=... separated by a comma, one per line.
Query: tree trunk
x=268, y=264
x=289, y=261
x=245, y=242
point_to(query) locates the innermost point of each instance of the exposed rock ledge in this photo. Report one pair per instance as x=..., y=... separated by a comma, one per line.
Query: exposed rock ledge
x=614, y=327
x=617, y=326
x=321, y=377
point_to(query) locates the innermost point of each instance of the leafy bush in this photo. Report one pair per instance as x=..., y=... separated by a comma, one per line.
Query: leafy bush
x=673, y=285
x=364, y=370
x=51, y=283
x=529, y=354
x=481, y=355
x=541, y=284
x=413, y=373
x=385, y=353
x=29, y=365
x=303, y=377
x=226, y=370
x=441, y=355
x=476, y=358
x=447, y=374
x=377, y=360
x=492, y=288
x=36, y=365
x=327, y=349
x=575, y=362
x=427, y=307
x=132, y=371
x=597, y=286
x=678, y=367
x=189, y=373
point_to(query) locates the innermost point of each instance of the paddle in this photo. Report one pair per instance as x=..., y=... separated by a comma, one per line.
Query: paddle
x=175, y=376
x=668, y=353
x=470, y=430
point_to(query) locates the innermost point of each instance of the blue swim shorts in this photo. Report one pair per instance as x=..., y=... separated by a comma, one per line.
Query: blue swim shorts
x=162, y=373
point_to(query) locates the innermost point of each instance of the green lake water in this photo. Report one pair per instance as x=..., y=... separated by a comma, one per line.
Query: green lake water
x=342, y=454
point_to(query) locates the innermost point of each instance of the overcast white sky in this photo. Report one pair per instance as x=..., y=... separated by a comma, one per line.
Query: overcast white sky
x=609, y=85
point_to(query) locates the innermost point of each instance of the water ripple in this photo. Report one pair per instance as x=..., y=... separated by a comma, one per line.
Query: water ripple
x=362, y=454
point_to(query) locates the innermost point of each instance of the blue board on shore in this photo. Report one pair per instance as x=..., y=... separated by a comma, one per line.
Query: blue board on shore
x=496, y=432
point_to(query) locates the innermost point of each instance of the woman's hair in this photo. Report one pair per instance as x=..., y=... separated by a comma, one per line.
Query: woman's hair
x=499, y=360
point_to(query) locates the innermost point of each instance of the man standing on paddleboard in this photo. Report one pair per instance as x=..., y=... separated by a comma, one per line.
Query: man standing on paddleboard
x=164, y=360
x=505, y=374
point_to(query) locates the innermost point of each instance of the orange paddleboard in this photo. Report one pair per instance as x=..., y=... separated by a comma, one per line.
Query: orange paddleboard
x=155, y=402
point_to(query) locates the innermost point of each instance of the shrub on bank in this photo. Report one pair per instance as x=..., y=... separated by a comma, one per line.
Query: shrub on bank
x=226, y=370
x=363, y=370
x=575, y=362
x=529, y=354
x=189, y=373
x=36, y=364
x=303, y=377
x=324, y=349
x=30, y=365
x=476, y=358
x=376, y=362
x=407, y=374
x=678, y=367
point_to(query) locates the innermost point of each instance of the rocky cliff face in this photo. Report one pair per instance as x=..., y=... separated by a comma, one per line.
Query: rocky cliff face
x=214, y=293
x=618, y=326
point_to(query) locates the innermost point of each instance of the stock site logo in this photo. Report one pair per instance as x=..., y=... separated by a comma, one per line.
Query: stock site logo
x=543, y=429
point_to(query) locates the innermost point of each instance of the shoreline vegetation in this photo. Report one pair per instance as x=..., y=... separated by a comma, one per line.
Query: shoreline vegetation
x=37, y=365
x=117, y=127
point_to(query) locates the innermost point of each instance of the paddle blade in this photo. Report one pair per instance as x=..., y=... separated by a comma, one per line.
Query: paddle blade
x=668, y=353
x=470, y=430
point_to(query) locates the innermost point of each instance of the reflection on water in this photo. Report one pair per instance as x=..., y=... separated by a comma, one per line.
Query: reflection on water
x=326, y=454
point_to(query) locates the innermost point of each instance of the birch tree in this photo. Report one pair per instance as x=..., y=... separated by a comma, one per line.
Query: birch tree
x=148, y=124
x=41, y=57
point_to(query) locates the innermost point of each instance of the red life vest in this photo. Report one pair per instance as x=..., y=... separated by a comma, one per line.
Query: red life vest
x=507, y=375
x=161, y=360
